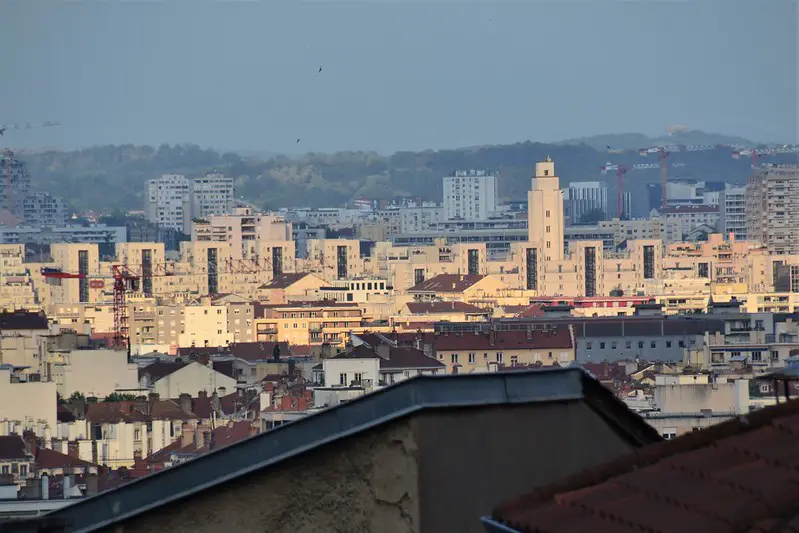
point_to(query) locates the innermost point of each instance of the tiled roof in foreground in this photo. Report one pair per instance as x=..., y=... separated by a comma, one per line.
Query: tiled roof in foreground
x=741, y=475
x=356, y=416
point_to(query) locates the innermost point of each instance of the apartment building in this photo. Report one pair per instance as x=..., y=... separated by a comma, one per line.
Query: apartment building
x=470, y=195
x=244, y=229
x=772, y=201
x=420, y=218
x=43, y=209
x=173, y=200
x=45, y=235
x=169, y=201
x=732, y=212
x=211, y=194
x=584, y=197
x=692, y=216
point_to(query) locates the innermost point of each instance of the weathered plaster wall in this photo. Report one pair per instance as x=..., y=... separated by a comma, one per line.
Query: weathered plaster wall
x=366, y=483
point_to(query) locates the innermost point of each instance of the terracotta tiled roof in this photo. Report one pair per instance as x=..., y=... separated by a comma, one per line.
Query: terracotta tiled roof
x=425, y=308
x=447, y=283
x=508, y=340
x=13, y=447
x=46, y=458
x=740, y=475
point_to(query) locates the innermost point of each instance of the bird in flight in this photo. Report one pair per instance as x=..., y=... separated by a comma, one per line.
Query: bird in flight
x=2, y=131
x=320, y=69
x=298, y=140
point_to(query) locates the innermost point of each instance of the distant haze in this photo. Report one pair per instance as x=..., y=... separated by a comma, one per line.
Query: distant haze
x=396, y=75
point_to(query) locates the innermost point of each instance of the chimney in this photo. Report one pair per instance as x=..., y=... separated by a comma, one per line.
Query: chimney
x=492, y=337
x=187, y=435
x=67, y=486
x=203, y=394
x=185, y=403
x=215, y=405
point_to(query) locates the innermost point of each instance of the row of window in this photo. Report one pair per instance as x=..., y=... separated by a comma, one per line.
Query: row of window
x=589, y=345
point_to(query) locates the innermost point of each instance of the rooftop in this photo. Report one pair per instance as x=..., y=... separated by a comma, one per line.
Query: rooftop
x=447, y=283
x=739, y=475
x=355, y=416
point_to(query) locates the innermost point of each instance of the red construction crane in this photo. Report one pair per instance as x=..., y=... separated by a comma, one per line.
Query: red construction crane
x=127, y=279
x=620, y=171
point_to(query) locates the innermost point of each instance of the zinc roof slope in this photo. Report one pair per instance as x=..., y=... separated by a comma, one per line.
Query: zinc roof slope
x=741, y=475
x=359, y=415
x=455, y=283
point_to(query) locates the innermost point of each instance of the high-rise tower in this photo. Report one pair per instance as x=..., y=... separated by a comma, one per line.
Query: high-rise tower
x=545, y=211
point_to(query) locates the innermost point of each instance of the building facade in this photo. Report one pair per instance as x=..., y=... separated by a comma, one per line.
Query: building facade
x=470, y=195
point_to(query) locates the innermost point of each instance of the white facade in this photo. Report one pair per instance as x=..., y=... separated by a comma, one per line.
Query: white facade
x=95, y=373
x=193, y=378
x=211, y=195
x=582, y=197
x=173, y=200
x=168, y=201
x=470, y=195
x=416, y=219
x=691, y=216
x=732, y=206
x=343, y=371
x=27, y=403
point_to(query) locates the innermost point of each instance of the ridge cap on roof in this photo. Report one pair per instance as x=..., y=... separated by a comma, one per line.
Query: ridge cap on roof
x=390, y=403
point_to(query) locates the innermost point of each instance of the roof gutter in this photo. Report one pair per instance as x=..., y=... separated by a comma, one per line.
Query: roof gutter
x=492, y=526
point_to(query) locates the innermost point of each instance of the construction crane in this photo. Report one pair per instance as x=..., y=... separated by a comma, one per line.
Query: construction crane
x=621, y=170
x=664, y=152
x=26, y=126
x=756, y=153
x=127, y=279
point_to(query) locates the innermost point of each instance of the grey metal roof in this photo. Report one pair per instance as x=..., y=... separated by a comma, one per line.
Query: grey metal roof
x=391, y=403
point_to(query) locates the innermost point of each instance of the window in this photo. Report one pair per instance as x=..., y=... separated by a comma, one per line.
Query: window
x=628, y=344
x=640, y=345
x=653, y=345
x=613, y=345
x=601, y=345
x=454, y=358
x=23, y=470
x=668, y=344
x=5, y=469
x=342, y=379
x=358, y=377
x=499, y=357
x=471, y=358
x=514, y=360
x=756, y=356
x=137, y=434
x=765, y=388
x=682, y=344
x=588, y=345
x=547, y=213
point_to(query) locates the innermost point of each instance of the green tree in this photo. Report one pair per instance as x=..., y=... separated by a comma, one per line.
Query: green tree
x=77, y=397
x=592, y=217
x=119, y=397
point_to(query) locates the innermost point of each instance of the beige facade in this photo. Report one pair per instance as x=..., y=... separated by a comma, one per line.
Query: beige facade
x=244, y=230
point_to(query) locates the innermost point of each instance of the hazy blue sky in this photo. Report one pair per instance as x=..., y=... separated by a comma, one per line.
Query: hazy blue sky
x=396, y=74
